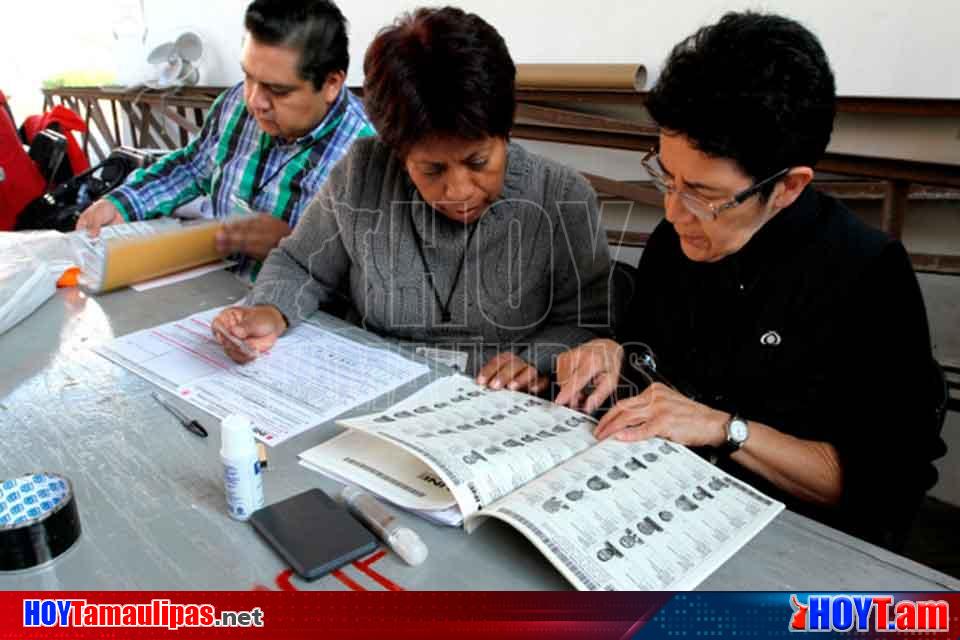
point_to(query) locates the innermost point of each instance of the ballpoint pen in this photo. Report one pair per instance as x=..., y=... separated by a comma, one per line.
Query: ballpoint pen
x=240, y=344
x=190, y=425
x=246, y=349
x=643, y=361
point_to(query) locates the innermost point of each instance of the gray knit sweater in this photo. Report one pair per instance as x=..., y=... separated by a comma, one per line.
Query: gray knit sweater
x=535, y=277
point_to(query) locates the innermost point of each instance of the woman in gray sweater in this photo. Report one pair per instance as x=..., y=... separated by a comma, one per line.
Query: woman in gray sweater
x=441, y=231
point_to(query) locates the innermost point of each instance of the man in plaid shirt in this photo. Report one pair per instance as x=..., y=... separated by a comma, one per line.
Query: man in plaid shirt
x=267, y=144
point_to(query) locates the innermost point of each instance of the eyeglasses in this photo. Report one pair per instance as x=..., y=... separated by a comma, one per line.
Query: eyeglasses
x=698, y=206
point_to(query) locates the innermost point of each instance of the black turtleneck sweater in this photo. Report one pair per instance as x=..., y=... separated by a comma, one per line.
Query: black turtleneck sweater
x=816, y=328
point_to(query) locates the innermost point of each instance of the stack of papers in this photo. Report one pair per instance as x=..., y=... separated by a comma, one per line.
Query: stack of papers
x=125, y=254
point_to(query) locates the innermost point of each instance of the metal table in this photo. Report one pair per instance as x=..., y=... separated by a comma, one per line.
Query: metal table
x=151, y=499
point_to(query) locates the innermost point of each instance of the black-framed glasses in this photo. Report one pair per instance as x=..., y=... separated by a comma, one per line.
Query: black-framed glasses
x=698, y=206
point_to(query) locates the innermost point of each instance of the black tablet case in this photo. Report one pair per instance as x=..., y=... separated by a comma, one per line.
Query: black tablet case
x=313, y=533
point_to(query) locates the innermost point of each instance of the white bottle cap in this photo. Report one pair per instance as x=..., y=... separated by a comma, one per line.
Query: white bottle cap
x=236, y=437
x=408, y=545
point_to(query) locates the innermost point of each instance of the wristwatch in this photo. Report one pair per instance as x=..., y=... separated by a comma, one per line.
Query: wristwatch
x=738, y=431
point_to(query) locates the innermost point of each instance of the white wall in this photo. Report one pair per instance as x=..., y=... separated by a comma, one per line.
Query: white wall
x=878, y=47
x=41, y=39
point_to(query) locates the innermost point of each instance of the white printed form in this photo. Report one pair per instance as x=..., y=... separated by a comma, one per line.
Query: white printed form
x=309, y=377
x=649, y=515
x=483, y=443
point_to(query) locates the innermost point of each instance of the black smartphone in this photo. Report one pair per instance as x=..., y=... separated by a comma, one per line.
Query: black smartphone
x=313, y=533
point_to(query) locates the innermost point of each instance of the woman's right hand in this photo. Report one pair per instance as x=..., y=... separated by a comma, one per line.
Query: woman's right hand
x=255, y=328
x=597, y=362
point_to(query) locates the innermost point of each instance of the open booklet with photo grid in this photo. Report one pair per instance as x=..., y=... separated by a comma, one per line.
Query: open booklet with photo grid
x=648, y=515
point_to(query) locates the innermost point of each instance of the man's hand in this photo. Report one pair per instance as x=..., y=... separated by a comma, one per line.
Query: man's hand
x=597, y=362
x=252, y=235
x=256, y=327
x=661, y=411
x=508, y=371
x=100, y=213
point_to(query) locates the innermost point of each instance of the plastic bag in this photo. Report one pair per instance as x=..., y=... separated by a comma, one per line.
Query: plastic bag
x=30, y=265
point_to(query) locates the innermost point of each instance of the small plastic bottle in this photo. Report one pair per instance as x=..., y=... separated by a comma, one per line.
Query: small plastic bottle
x=242, y=476
x=404, y=542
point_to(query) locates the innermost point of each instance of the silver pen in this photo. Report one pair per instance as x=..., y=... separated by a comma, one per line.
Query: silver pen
x=189, y=424
x=240, y=344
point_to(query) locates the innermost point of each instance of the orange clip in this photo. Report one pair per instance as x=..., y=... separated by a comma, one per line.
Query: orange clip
x=69, y=277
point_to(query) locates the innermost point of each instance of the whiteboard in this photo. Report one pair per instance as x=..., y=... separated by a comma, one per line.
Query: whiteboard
x=877, y=47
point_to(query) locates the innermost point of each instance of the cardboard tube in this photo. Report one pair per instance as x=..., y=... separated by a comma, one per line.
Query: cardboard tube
x=133, y=260
x=582, y=77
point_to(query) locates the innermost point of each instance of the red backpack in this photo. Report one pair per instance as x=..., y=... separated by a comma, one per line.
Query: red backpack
x=68, y=122
x=20, y=180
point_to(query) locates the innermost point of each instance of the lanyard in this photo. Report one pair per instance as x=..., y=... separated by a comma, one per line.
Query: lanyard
x=445, y=316
x=259, y=186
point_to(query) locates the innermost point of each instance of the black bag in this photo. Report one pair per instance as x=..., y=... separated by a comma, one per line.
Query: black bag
x=59, y=208
x=49, y=153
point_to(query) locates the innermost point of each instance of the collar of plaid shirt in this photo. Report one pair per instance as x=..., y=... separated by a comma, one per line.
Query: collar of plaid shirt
x=277, y=171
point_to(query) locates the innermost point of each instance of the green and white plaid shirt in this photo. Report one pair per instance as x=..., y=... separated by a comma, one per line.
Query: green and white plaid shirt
x=232, y=157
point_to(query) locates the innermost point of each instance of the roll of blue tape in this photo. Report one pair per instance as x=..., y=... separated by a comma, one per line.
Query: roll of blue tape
x=38, y=520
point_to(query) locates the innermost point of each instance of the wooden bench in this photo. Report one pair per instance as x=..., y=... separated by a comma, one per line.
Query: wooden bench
x=168, y=118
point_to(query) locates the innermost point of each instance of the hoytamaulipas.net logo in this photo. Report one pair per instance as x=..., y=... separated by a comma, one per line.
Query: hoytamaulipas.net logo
x=156, y=613
x=878, y=613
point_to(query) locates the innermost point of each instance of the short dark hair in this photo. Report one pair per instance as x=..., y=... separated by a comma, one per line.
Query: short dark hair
x=439, y=73
x=755, y=88
x=316, y=28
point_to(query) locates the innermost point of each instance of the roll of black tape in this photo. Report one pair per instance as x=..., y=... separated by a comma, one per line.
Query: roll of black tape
x=38, y=520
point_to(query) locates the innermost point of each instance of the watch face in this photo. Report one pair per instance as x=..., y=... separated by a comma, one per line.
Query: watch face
x=738, y=431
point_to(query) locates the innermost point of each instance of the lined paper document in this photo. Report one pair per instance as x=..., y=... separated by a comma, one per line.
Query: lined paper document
x=309, y=377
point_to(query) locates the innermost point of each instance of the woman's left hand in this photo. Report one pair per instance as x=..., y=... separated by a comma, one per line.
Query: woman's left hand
x=507, y=371
x=661, y=411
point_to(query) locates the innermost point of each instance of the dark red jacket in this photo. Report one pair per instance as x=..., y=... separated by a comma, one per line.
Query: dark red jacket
x=20, y=180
